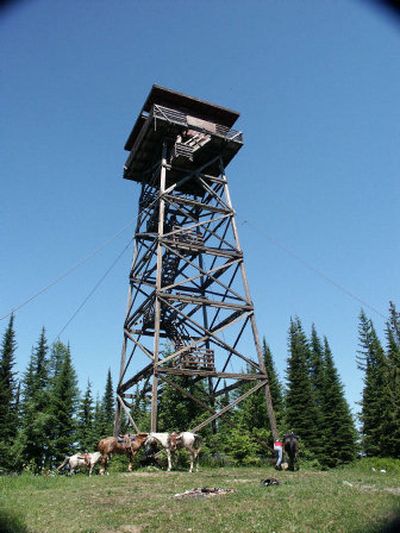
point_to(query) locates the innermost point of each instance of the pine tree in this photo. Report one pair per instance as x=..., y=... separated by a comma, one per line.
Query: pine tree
x=8, y=397
x=86, y=431
x=140, y=411
x=317, y=377
x=36, y=419
x=98, y=420
x=317, y=367
x=18, y=406
x=57, y=356
x=178, y=412
x=393, y=324
x=251, y=414
x=108, y=407
x=337, y=425
x=275, y=385
x=390, y=446
x=301, y=411
x=62, y=406
x=371, y=359
x=224, y=400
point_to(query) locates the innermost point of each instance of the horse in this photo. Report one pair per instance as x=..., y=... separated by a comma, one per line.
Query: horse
x=173, y=441
x=291, y=447
x=88, y=460
x=128, y=445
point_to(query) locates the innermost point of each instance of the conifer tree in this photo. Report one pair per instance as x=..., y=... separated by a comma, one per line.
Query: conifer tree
x=301, y=411
x=57, y=355
x=62, y=406
x=317, y=371
x=86, y=431
x=393, y=324
x=371, y=359
x=337, y=425
x=18, y=406
x=390, y=446
x=98, y=420
x=140, y=411
x=275, y=385
x=251, y=414
x=178, y=412
x=36, y=423
x=8, y=397
x=224, y=400
x=108, y=407
x=317, y=367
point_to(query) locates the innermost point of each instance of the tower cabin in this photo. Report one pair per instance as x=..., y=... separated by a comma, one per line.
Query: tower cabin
x=193, y=131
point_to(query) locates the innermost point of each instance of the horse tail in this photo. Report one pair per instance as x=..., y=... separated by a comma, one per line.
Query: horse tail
x=197, y=440
x=63, y=463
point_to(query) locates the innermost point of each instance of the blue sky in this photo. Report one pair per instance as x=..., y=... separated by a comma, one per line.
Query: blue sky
x=317, y=84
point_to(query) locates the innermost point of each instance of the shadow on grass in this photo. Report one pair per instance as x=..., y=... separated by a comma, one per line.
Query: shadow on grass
x=391, y=525
x=11, y=523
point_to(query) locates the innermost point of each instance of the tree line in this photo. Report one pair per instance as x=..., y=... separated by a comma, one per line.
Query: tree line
x=44, y=417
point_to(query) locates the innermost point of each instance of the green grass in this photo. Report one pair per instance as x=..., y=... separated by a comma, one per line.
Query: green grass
x=352, y=499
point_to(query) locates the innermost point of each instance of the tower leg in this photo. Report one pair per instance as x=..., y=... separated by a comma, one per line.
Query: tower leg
x=157, y=314
x=117, y=420
x=267, y=392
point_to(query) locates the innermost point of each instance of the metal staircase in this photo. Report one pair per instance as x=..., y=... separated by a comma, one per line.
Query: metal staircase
x=170, y=322
x=185, y=147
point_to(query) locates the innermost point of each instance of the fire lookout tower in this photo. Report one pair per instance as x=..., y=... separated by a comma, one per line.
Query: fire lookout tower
x=189, y=309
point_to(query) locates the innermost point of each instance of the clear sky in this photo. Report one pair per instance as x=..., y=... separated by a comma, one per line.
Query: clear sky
x=317, y=84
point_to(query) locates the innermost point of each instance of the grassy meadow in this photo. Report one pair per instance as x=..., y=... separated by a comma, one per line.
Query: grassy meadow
x=351, y=499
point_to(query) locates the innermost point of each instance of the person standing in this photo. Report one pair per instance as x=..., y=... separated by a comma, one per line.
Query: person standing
x=278, y=448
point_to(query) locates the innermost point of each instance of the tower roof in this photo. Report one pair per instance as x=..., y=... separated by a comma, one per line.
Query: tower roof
x=184, y=103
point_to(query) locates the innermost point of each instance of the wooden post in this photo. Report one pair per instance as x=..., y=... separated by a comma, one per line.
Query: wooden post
x=157, y=313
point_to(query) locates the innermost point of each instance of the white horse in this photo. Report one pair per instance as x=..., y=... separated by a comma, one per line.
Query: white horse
x=173, y=441
x=87, y=460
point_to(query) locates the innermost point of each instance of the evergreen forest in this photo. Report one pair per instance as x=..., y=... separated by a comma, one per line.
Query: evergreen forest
x=44, y=416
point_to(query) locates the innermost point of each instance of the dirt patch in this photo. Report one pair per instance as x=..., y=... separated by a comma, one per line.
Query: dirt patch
x=204, y=492
x=124, y=529
x=141, y=474
x=240, y=480
x=371, y=488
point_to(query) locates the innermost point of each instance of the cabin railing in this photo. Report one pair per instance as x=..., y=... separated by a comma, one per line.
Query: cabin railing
x=177, y=117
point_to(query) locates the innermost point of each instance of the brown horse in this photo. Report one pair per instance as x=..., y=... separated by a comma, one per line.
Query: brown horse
x=128, y=445
x=291, y=447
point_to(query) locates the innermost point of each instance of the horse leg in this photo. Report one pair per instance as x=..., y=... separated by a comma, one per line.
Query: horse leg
x=191, y=460
x=103, y=465
x=169, y=460
x=130, y=465
x=197, y=458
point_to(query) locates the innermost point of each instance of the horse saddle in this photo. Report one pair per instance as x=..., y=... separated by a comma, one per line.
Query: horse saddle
x=126, y=440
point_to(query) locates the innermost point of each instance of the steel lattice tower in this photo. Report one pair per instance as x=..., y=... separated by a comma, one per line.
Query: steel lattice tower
x=189, y=310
